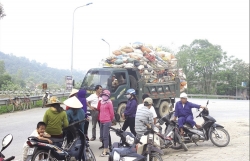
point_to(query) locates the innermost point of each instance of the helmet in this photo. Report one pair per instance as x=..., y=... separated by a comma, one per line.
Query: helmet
x=106, y=92
x=183, y=95
x=131, y=91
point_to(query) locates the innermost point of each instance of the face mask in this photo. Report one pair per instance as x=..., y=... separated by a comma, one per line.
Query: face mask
x=105, y=98
x=128, y=96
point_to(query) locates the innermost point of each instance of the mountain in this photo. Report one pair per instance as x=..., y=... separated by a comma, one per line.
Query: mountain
x=35, y=72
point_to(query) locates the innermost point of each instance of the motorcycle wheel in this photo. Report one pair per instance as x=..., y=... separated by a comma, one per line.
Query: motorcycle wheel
x=218, y=136
x=90, y=155
x=42, y=155
x=154, y=157
x=183, y=145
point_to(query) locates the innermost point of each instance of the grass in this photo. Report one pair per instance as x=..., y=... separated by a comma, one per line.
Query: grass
x=3, y=109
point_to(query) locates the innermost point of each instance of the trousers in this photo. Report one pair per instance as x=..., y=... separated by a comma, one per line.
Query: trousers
x=94, y=115
x=104, y=133
x=187, y=119
x=129, y=122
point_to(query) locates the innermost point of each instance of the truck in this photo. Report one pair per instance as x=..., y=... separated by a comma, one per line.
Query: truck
x=163, y=94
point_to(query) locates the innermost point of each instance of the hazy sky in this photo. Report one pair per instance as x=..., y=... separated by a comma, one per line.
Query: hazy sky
x=42, y=29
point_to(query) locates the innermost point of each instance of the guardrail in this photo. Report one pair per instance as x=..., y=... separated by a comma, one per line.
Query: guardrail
x=216, y=96
x=36, y=98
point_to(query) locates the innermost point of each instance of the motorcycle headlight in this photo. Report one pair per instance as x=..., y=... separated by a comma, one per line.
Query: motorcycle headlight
x=130, y=140
x=156, y=129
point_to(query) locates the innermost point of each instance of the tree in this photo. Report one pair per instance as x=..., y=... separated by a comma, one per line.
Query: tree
x=2, y=14
x=200, y=61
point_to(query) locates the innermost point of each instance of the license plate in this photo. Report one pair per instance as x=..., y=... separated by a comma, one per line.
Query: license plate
x=30, y=151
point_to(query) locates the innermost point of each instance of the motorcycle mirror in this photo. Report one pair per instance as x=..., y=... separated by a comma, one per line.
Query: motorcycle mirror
x=207, y=102
x=117, y=117
x=6, y=141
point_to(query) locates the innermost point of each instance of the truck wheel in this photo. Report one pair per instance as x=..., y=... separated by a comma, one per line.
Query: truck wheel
x=133, y=82
x=121, y=110
x=164, y=109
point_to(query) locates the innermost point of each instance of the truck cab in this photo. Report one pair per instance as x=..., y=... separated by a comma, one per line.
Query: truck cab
x=163, y=94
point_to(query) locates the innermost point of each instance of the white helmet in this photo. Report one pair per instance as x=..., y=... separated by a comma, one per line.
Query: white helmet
x=183, y=95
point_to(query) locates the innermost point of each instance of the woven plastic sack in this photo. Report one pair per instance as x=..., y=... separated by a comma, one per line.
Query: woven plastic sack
x=117, y=52
x=118, y=62
x=150, y=57
x=127, y=49
x=145, y=50
x=137, y=45
x=138, y=51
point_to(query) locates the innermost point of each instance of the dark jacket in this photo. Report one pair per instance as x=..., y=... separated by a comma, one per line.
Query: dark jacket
x=131, y=108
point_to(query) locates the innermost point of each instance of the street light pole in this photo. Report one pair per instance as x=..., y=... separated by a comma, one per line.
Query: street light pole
x=72, y=45
x=108, y=44
x=236, y=85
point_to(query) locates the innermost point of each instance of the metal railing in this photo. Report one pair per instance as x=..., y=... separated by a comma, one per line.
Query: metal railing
x=216, y=96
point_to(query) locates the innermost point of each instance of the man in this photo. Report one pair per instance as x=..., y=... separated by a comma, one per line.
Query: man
x=92, y=102
x=152, y=109
x=183, y=110
x=114, y=81
x=145, y=115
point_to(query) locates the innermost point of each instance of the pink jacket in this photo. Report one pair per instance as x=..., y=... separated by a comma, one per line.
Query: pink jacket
x=106, y=112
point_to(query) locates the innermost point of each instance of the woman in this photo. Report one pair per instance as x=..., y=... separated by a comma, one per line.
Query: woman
x=106, y=116
x=72, y=94
x=130, y=111
x=55, y=118
x=82, y=98
x=75, y=112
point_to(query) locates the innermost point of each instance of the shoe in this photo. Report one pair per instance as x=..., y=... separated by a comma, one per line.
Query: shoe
x=104, y=155
x=101, y=147
x=92, y=139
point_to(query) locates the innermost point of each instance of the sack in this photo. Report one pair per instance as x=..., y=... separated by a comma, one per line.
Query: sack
x=117, y=52
x=127, y=49
x=118, y=61
x=150, y=57
x=145, y=50
x=137, y=45
x=138, y=51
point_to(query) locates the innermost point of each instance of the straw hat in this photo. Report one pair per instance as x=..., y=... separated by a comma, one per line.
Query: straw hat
x=52, y=100
x=74, y=91
x=73, y=102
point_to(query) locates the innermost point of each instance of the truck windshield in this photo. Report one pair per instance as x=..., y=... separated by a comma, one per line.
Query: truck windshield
x=93, y=78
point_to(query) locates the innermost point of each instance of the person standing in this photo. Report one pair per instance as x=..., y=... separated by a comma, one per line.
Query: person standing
x=92, y=102
x=130, y=111
x=145, y=115
x=106, y=117
x=152, y=109
x=55, y=118
x=75, y=112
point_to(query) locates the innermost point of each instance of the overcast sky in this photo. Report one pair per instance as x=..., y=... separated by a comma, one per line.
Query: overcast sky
x=42, y=29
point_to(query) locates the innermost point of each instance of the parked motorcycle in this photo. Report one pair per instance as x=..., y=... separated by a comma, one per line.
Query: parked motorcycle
x=209, y=130
x=74, y=146
x=46, y=98
x=5, y=143
x=131, y=148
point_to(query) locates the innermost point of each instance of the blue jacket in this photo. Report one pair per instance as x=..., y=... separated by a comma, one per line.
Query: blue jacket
x=131, y=108
x=186, y=111
x=80, y=115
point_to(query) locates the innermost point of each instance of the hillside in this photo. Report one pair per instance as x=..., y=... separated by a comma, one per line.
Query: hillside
x=35, y=72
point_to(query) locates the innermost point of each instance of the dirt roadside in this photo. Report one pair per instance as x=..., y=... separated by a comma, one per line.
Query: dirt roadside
x=237, y=150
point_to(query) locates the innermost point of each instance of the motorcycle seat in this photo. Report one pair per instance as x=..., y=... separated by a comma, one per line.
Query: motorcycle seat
x=54, y=140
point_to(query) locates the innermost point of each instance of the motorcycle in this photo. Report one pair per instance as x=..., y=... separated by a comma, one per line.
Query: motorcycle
x=131, y=148
x=46, y=98
x=74, y=146
x=5, y=143
x=209, y=130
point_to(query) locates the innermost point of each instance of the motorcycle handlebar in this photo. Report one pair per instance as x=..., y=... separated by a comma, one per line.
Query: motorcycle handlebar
x=9, y=159
x=78, y=122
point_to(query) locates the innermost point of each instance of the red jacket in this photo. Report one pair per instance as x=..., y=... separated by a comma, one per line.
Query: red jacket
x=106, y=112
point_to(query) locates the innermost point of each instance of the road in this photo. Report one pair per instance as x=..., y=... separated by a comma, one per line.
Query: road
x=21, y=124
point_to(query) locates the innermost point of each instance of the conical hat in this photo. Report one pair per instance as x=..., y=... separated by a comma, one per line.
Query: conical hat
x=74, y=91
x=73, y=102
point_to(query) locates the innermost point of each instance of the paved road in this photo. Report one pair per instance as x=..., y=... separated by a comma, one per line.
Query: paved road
x=21, y=124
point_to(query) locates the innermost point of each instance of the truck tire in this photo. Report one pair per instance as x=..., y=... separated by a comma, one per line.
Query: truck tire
x=120, y=110
x=133, y=82
x=164, y=109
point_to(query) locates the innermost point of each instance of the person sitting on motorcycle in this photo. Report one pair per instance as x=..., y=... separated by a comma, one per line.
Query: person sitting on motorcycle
x=40, y=134
x=143, y=114
x=183, y=110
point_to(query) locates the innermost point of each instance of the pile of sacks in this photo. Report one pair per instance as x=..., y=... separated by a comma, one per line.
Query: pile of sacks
x=155, y=65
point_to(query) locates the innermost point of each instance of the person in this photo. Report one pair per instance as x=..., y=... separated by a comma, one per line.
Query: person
x=152, y=109
x=55, y=118
x=145, y=115
x=82, y=98
x=130, y=111
x=40, y=134
x=92, y=102
x=114, y=81
x=72, y=94
x=183, y=110
x=105, y=107
x=75, y=113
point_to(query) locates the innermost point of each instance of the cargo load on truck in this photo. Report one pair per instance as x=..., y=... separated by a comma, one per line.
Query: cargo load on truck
x=155, y=65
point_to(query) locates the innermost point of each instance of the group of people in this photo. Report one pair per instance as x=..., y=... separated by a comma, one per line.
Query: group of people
x=102, y=112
